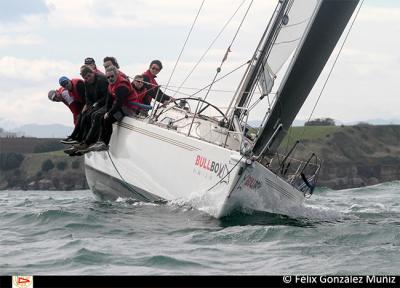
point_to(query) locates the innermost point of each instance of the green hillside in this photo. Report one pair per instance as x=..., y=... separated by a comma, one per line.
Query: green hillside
x=50, y=170
x=352, y=156
x=311, y=133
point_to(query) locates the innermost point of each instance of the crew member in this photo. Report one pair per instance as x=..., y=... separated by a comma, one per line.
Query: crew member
x=92, y=64
x=89, y=124
x=139, y=88
x=152, y=85
x=71, y=93
x=123, y=100
x=112, y=61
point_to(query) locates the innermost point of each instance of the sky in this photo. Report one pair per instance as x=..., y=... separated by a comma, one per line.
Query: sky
x=42, y=40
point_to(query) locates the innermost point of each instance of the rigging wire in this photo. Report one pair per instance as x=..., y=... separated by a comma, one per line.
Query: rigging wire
x=240, y=99
x=188, y=95
x=220, y=78
x=124, y=183
x=333, y=66
x=209, y=47
x=184, y=45
x=228, y=49
x=173, y=88
x=227, y=174
x=180, y=54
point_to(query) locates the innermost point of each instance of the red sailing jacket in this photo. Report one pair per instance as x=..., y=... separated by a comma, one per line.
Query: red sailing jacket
x=123, y=74
x=152, y=86
x=74, y=106
x=74, y=93
x=151, y=77
x=133, y=95
x=140, y=95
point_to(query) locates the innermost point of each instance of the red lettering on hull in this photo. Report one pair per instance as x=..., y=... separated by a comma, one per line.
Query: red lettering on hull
x=219, y=169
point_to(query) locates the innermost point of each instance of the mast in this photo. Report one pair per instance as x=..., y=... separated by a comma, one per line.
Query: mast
x=324, y=30
x=249, y=81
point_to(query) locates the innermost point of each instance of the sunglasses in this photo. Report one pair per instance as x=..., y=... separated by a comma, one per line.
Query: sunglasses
x=110, y=77
x=63, y=84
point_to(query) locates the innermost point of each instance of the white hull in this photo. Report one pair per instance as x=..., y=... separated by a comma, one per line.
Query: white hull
x=151, y=163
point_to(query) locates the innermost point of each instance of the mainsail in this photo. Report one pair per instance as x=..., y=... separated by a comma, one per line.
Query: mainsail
x=281, y=37
x=324, y=28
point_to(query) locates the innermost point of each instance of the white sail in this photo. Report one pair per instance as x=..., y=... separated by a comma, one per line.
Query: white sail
x=323, y=30
x=293, y=25
x=279, y=41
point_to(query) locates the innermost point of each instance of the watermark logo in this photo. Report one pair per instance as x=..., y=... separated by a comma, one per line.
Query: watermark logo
x=22, y=281
x=346, y=280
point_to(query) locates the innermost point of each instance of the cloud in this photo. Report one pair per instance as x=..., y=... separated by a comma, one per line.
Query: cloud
x=25, y=84
x=20, y=40
x=379, y=15
x=36, y=70
x=16, y=10
x=31, y=105
x=41, y=43
x=133, y=14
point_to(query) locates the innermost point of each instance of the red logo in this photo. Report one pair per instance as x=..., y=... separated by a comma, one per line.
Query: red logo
x=22, y=281
x=252, y=183
x=213, y=168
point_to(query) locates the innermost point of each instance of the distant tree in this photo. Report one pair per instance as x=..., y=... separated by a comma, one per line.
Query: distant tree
x=48, y=146
x=62, y=165
x=363, y=124
x=47, y=165
x=56, y=182
x=76, y=164
x=10, y=160
x=321, y=122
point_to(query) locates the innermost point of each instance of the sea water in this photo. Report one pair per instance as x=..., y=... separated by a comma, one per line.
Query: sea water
x=353, y=231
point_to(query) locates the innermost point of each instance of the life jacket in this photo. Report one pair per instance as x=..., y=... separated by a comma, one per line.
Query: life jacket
x=132, y=96
x=123, y=74
x=74, y=92
x=140, y=95
x=151, y=77
x=66, y=101
x=153, y=84
x=97, y=71
x=69, y=101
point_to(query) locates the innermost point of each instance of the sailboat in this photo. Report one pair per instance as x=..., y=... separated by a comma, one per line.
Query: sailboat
x=217, y=164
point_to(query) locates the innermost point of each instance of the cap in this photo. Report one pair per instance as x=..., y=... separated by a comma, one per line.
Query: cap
x=89, y=60
x=62, y=80
x=51, y=95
